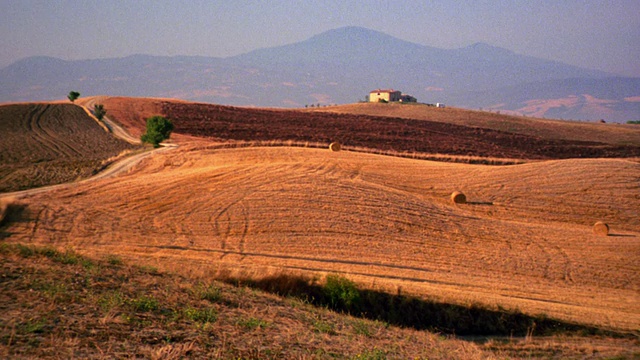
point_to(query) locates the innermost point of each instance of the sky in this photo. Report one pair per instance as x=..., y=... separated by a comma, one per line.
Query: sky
x=595, y=34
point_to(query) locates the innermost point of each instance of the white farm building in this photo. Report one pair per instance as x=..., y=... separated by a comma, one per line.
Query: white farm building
x=380, y=95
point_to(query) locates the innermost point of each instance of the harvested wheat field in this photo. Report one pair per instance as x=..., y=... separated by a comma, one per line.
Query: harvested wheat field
x=523, y=239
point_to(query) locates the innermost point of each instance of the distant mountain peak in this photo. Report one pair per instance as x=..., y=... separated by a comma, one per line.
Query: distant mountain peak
x=347, y=31
x=353, y=35
x=485, y=48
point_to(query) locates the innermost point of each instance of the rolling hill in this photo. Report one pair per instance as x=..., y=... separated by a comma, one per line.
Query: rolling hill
x=336, y=67
x=524, y=240
x=44, y=144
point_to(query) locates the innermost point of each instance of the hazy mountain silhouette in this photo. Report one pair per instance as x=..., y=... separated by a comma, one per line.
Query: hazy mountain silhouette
x=337, y=66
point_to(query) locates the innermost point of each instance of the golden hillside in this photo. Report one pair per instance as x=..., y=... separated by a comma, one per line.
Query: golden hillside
x=524, y=239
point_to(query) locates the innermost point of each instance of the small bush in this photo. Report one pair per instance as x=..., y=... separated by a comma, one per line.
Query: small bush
x=73, y=95
x=158, y=130
x=98, y=111
x=342, y=293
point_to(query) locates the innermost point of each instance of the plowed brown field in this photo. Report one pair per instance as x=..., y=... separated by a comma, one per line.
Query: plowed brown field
x=487, y=135
x=43, y=144
x=543, y=128
x=523, y=240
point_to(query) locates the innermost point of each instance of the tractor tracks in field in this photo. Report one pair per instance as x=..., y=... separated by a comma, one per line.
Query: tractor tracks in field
x=35, y=129
x=232, y=224
x=45, y=137
x=556, y=252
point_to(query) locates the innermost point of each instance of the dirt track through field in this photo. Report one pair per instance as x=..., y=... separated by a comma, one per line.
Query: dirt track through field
x=117, y=130
x=523, y=241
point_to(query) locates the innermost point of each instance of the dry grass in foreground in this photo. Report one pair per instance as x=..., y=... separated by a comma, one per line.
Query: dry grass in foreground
x=58, y=305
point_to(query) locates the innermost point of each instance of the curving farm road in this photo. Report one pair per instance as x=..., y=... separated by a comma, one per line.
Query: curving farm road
x=117, y=130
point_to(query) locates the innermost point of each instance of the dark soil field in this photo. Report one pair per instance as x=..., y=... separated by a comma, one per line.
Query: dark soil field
x=608, y=133
x=45, y=144
x=377, y=132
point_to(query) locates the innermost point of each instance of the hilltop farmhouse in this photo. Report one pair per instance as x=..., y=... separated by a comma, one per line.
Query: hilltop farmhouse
x=380, y=95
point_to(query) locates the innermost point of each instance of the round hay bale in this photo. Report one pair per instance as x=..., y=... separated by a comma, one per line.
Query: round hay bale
x=334, y=146
x=601, y=229
x=458, y=198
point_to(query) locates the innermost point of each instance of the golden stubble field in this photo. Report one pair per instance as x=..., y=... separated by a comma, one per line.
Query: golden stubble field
x=524, y=241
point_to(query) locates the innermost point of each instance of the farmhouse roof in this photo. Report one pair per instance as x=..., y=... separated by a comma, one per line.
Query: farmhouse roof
x=383, y=91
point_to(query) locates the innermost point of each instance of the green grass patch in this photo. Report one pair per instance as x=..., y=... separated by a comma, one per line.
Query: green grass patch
x=33, y=326
x=207, y=315
x=210, y=293
x=252, y=323
x=25, y=251
x=148, y=269
x=375, y=354
x=361, y=327
x=324, y=327
x=111, y=300
x=144, y=304
x=58, y=292
x=114, y=260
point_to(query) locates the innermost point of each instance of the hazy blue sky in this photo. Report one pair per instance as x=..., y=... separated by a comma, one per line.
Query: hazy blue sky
x=597, y=34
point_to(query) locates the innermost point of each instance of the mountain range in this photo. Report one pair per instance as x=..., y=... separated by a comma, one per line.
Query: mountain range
x=341, y=66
